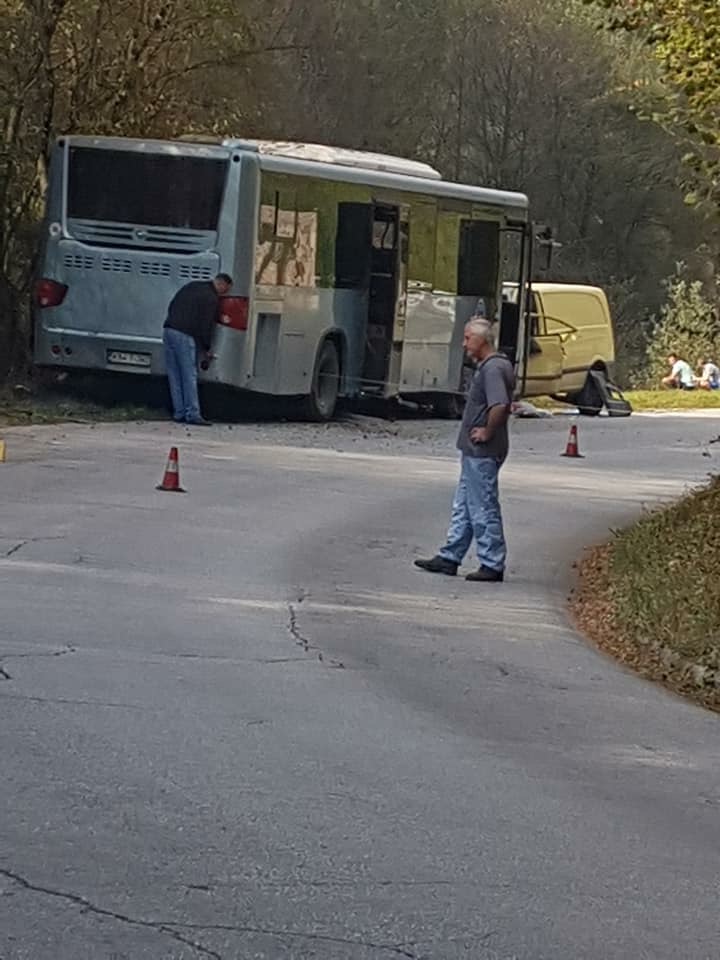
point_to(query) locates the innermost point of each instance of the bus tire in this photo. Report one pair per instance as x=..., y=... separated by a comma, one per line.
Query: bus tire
x=320, y=403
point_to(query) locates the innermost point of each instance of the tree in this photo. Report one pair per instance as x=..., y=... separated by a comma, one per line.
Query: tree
x=685, y=38
x=516, y=94
x=120, y=67
x=688, y=325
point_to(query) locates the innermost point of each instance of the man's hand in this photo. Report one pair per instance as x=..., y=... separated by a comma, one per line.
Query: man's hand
x=479, y=434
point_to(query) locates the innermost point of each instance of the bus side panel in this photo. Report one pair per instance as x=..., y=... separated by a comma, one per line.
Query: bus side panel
x=432, y=349
x=295, y=303
x=233, y=349
x=290, y=323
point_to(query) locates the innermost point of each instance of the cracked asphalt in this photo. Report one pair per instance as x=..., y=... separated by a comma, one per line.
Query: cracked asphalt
x=238, y=724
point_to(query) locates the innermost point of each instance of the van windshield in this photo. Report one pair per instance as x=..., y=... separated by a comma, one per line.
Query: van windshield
x=121, y=186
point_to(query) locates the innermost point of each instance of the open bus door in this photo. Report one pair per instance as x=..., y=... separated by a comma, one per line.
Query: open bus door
x=541, y=365
x=512, y=338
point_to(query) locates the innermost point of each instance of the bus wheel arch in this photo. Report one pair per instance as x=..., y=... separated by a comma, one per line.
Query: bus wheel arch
x=320, y=403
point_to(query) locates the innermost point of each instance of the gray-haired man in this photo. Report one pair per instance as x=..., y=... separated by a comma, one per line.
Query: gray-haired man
x=483, y=444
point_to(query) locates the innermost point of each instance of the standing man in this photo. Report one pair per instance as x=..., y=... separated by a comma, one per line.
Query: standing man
x=483, y=444
x=191, y=319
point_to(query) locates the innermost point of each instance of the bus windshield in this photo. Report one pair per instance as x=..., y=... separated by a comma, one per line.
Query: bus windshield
x=159, y=190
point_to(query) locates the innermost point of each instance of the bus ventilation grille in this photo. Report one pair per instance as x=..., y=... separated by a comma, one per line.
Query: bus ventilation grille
x=195, y=272
x=77, y=262
x=154, y=268
x=114, y=265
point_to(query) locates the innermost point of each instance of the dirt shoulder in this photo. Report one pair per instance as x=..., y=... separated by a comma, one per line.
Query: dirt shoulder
x=651, y=597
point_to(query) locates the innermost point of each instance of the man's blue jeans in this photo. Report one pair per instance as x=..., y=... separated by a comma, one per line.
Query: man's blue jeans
x=182, y=372
x=476, y=513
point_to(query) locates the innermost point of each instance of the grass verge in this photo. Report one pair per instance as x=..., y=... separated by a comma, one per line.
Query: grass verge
x=651, y=597
x=674, y=399
x=27, y=409
x=653, y=400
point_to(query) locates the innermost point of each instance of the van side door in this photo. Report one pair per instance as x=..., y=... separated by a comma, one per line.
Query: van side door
x=545, y=354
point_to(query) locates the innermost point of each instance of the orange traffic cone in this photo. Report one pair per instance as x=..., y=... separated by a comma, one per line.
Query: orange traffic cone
x=171, y=480
x=572, y=449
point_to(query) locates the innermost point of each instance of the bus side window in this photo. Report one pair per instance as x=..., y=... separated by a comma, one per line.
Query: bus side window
x=478, y=261
x=353, y=246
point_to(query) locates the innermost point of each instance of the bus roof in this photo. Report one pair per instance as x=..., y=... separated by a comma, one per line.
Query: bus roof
x=339, y=156
x=327, y=163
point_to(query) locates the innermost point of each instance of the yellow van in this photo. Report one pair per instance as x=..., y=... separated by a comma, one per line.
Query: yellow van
x=571, y=343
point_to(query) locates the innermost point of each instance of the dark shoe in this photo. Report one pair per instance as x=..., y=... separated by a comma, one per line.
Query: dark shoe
x=438, y=565
x=486, y=575
x=200, y=422
x=178, y=419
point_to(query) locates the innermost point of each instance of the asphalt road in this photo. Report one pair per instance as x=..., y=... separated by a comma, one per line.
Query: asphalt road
x=238, y=723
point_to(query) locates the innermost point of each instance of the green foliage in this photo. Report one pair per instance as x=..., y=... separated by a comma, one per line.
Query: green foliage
x=688, y=325
x=666, y=588
x=684, y=36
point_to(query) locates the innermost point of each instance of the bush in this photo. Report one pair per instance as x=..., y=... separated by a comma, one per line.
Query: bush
x=688, y=325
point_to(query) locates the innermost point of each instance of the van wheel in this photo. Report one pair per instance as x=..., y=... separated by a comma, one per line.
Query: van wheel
x=320, y=403
x=589, y=400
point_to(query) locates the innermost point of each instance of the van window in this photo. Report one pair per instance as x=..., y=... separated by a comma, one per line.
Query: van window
x=577, y=309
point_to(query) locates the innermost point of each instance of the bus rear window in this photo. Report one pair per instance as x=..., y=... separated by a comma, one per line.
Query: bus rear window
x=151, y=189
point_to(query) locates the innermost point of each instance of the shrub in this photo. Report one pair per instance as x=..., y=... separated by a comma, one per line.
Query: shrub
x=688, y=325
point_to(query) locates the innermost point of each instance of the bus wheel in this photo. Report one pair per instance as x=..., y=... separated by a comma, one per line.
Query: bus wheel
x=321, y=401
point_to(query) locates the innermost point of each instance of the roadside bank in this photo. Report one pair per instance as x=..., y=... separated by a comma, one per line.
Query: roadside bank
x=651, y=597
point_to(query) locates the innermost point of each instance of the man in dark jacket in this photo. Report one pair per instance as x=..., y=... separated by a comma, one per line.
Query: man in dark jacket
x=191, y=319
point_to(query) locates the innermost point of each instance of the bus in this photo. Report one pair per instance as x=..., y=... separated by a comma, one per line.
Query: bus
x=354, y=273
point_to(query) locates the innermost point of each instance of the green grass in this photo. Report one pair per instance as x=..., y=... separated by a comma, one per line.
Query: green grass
x=652, y=596
x=30, y=410
x=653, y=400
x=674, y=399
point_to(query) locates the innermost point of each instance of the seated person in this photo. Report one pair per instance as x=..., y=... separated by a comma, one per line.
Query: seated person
x=681, y=376
x=709, y=378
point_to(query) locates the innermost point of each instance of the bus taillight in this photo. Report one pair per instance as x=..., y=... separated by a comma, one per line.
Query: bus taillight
x=49, y=293
x=234, y=312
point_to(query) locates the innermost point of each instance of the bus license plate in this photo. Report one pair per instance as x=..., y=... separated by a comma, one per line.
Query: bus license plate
x=129, y=359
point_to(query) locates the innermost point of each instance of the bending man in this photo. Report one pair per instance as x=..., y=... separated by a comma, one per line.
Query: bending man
x=191, y=319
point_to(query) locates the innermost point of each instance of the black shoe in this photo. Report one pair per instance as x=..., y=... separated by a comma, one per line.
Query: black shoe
x=200, y=422
x=486, y=575
x=438, y=565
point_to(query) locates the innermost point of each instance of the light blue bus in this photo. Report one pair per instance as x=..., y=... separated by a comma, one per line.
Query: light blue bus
x=354, y=272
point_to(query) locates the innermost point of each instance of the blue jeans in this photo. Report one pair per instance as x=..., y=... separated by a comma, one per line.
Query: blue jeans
x=476, y=513
x=182, y=372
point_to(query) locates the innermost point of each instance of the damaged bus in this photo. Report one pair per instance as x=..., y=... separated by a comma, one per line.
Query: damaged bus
x=354, y=273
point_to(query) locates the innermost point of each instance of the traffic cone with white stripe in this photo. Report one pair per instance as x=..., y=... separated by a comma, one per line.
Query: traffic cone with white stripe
x=171, y=479
x=572, y=449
